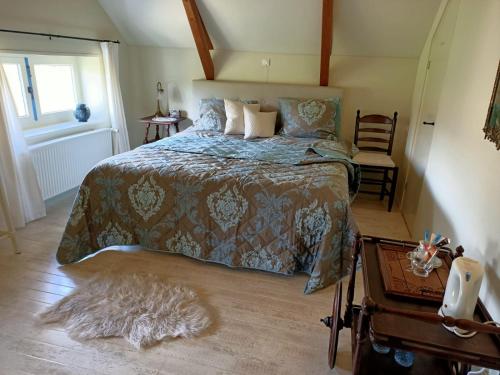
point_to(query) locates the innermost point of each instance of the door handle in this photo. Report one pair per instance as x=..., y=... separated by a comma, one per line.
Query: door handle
x=429, y=123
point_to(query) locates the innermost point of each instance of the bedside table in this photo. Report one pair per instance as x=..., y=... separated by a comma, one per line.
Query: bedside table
x=148, y=121
x=404, y=323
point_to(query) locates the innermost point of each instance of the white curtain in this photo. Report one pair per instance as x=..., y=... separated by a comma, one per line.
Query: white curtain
x=115, y=102
x=17, y=173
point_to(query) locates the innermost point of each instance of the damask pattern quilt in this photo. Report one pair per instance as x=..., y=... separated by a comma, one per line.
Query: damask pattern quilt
x=279, y=204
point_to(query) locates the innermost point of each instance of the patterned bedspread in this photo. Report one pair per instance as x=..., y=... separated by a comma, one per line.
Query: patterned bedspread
x=280, y=204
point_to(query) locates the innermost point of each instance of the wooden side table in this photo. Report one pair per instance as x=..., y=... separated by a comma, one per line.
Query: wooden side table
x=406, y=324
x=148, y=121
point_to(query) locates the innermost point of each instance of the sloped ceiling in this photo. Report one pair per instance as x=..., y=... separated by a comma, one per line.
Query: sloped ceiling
x=396, y=28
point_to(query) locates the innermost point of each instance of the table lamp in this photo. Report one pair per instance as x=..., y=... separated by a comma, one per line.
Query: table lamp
x=159, y=90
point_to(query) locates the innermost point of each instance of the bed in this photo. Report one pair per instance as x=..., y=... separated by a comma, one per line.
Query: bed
x=279, y=204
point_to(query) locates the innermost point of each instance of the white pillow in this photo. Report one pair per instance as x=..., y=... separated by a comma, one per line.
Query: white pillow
x=258, y=124
x=235, y=123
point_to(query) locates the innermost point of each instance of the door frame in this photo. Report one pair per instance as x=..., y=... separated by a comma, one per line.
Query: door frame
x=414, y=126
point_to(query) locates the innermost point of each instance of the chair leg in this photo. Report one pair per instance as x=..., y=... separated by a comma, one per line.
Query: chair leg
x=384, y=186
x=393, y=187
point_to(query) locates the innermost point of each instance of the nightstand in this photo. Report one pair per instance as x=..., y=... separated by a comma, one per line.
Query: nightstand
x=148, y=121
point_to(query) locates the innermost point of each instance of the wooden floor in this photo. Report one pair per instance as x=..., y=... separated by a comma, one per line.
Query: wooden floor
x=264, y=324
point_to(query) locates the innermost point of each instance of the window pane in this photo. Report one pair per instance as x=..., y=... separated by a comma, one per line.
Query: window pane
x=56, y=88
x=15, y=81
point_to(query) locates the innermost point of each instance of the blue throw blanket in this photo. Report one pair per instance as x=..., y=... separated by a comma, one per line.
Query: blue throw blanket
x=280, y=204
x=278, y=150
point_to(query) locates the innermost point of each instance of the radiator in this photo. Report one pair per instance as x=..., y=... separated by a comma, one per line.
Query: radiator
x=61, y=164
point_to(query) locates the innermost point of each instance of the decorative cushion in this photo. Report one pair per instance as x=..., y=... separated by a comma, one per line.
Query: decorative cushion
x=258, y=124
x=212, y=115
x=235, y=123
x=319, y=118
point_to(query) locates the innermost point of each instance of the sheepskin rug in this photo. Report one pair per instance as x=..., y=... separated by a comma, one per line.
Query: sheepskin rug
x=143, y=308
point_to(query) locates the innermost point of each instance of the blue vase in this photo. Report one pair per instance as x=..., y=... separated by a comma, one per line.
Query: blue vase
x=82, y=113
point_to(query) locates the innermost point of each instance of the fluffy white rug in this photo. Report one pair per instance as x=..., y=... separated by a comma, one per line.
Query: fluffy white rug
x=142, y=308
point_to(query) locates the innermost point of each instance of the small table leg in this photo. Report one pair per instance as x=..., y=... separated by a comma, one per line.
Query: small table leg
x=177, y=127
x=157, y=136
x=358, y=245
x=168, y=130
x=361, y=336
x=147, y=133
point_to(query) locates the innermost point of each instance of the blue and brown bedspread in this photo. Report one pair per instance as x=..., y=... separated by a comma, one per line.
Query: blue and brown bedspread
x=279, y=204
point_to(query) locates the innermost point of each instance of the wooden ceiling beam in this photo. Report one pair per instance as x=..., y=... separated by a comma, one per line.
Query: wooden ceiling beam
x=326, y=42
x=206, y=37
x=201, y=39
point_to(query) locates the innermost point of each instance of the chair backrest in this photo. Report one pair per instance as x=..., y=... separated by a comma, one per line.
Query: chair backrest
x=380, y=130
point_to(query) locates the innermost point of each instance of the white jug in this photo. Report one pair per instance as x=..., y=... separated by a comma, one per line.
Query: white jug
x=462, y=290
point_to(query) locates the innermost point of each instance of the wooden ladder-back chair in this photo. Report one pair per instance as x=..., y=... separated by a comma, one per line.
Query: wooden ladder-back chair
x=374, y=136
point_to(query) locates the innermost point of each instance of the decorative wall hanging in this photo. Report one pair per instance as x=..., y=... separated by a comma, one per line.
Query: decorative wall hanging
x=492, y=127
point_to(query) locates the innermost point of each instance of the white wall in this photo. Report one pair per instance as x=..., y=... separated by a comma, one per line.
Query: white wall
x=381, y=28
x=71, y=17
x=81, y=18
x=461, y=193
x=372, y=84
x=93, y=87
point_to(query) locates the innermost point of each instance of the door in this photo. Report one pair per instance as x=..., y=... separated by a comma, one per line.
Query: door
x=426, y=119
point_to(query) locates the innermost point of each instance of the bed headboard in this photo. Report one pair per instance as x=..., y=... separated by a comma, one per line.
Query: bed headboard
x=266, y=93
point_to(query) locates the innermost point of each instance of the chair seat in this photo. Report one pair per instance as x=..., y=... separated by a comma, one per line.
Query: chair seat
x=374, y=159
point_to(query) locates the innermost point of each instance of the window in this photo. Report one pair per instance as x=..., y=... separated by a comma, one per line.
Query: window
x=56, y=88
x=15, y=82
x=45, y=89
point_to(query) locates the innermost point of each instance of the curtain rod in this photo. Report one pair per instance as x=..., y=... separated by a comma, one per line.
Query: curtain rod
x=58, y=36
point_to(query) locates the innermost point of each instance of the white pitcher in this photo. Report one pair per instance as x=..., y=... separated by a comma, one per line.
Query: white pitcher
x=462, y=290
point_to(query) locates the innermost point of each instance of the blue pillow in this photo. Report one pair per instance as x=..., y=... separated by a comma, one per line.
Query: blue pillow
x=307, y=117
x=212, y=115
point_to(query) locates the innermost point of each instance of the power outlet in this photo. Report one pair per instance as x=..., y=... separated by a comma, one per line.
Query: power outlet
x=266, y=62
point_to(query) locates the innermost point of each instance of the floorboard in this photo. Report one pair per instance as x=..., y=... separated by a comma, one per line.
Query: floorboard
x=263, y=323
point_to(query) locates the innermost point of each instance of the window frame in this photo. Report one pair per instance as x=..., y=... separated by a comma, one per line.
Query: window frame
x=25, y=121
x=20, y=81
x=51, y=118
